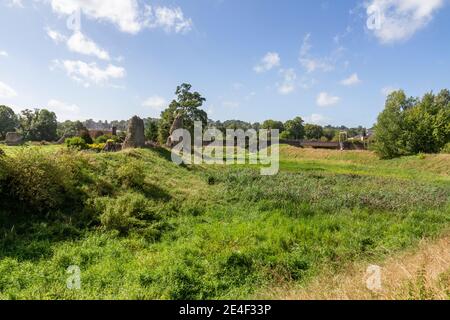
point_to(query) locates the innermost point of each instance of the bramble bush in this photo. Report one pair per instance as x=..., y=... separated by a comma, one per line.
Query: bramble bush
x=77, y=143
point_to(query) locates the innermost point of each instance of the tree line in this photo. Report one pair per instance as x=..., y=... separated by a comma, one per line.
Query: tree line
x=410, y=125
x=406, y=126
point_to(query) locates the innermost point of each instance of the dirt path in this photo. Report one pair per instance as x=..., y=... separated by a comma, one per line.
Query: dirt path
x=423, y=273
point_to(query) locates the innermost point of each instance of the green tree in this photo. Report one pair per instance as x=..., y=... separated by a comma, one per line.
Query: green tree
x=273, y=125
x=390, y=127
x=294, y=129
x=38, y=125
x=8, y=121
x=187, y=104
x=313, y=132
x=151, y=129
x=70, y=128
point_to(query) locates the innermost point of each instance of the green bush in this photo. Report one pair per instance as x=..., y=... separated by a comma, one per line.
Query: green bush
x=129, y=211
x=102, y=139
x=77, y=143
x=446, y=148
x=33, y=182
x=130, y=174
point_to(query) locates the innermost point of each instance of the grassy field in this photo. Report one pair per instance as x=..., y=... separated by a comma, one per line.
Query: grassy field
x=140, y=227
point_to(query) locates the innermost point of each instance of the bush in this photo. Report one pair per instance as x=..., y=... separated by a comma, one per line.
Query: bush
x=130, y=174
x=33, y=182
x=129, y=211
x=77, y=143
x=98, y=147
x=446, y=148
x=84, y=134
x=102, y=139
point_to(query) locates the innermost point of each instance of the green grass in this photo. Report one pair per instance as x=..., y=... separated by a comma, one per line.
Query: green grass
x=219, y=232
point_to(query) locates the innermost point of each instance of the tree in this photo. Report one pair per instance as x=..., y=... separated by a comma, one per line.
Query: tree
x=70, y=128
x=273, y=125
x=389, y=129
x=411, y=125
x=38, y=125
x=294, y=129
x=188, y=106
x=8, y=121
x=313, y=132
x=151, y=129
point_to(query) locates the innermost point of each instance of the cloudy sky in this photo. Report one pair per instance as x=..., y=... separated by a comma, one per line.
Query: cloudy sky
x=331, y=62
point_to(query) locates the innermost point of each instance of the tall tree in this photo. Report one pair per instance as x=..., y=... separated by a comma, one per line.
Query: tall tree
x=313, y=131
x=294, y=129
x=38, y=125
x=8, y=121
x=187, y=104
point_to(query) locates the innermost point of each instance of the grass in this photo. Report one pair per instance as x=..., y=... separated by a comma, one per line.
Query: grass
x=221, y=232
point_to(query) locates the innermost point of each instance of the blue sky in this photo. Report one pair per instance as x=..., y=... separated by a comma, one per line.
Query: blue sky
x=331, y=62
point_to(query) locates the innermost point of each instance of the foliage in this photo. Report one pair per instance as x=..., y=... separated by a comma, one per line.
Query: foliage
x=127, y=212
x=84, y=134
x=313, y=132
x=38, y=125
x=294, y=129
x=76, y=143
x=207, y=232
x=70, y=128
x=409, y=125
x=188, y=106
x=8, y=121
x=273, y=125
x=151, y=129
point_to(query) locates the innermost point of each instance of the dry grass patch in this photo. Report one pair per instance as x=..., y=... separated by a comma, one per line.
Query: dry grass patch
x=420, y=274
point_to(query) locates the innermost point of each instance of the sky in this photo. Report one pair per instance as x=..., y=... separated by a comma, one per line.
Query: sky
x=330, y=62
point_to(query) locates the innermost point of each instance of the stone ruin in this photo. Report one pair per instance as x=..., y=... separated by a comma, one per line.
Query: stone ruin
x=135, y=134
x=13, y=139
x=177, y=124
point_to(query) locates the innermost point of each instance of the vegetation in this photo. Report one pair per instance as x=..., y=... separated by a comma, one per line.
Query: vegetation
x=139, y=226
x=38, y=125
x=188, y=106
x=8, y=121
x=410, y=125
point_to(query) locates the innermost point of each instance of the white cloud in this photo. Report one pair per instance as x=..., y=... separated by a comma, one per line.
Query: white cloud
x=90, y=73
x=157, y=103
x=81, y=44
x=63, y=110
x=268, y=62
x=317, y=119
x=55, y=35
x=311, y=63
x=288, y=84
x=6, y=91
x=399, y=20
x=351, y=81
x=4, y=54
x=324, y=99
x=169, y=19
x=128, y=15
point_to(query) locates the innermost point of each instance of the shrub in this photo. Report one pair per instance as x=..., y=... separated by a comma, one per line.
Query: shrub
x=129, y=211
x=102, y=139
x=130, y=174
x=446, y=148
x=77, y=143
x=86, y=136
x=33, y=182
x=98, y=147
